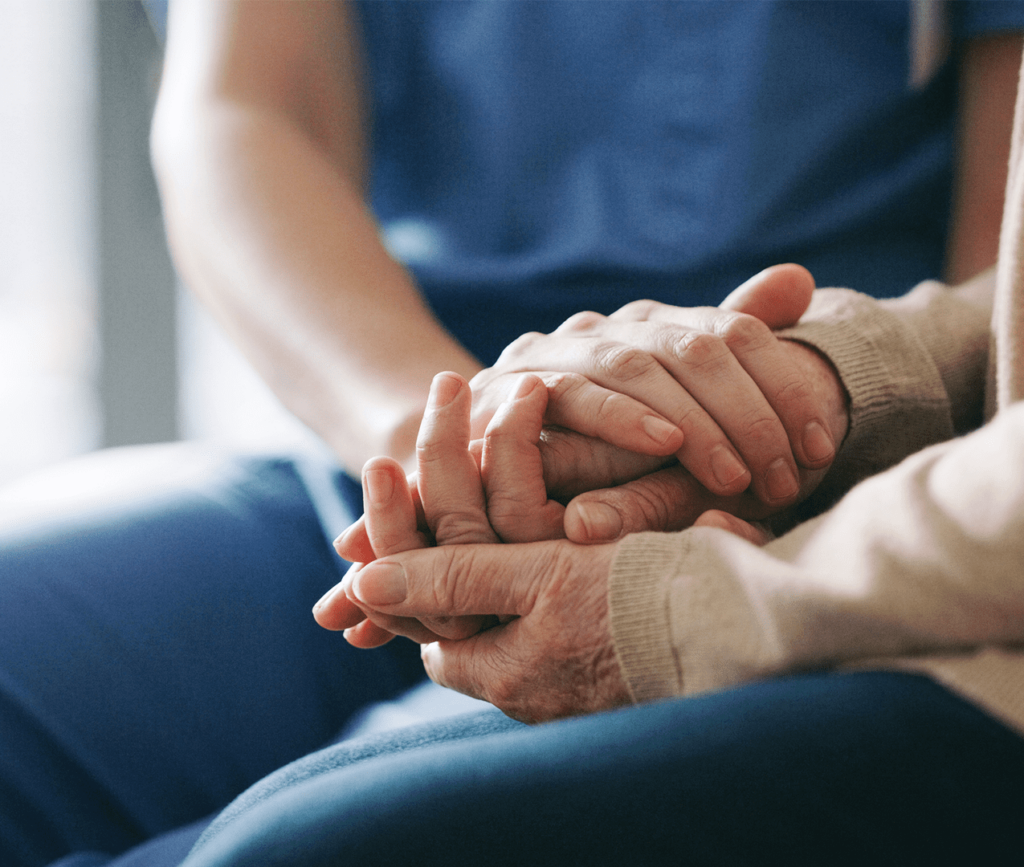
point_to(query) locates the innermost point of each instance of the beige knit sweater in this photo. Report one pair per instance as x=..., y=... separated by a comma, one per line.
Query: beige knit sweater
x=921, y=564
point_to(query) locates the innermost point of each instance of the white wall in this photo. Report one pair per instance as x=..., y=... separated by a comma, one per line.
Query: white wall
x=48, y=346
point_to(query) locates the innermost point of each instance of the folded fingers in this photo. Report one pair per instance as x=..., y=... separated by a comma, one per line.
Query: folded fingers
x=448, y=478
x=512, y=469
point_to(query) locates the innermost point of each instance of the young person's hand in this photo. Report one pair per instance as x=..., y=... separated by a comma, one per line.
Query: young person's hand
x=490, y=491
x=524, y=626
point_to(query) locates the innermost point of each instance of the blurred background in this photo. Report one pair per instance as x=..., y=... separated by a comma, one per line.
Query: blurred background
x=99, y=344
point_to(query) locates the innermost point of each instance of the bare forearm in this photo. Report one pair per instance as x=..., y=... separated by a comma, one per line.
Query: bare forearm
x=268, y=234
x=259, y=146
x=988, y=87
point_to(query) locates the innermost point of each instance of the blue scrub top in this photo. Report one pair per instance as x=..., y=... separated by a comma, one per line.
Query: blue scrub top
x=532, y=159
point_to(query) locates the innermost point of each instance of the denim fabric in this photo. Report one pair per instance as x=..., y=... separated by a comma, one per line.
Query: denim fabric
x=157, y=650
x=849, y=769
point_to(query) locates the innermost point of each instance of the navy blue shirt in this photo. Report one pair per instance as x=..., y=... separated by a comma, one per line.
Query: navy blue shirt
x=532, y=159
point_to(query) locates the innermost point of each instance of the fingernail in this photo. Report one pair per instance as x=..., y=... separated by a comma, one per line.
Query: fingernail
x=525, y=386
x=344, y=535
x=658, y=429
x=780, y=481
x=322, y=602
x=599, y=520
x=726, y=467
x=379, y=486
x=380, y=584
x=444, y=389
x=818, y=445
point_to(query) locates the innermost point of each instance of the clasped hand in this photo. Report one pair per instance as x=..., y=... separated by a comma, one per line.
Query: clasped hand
x=525, y=627
x=710, y=388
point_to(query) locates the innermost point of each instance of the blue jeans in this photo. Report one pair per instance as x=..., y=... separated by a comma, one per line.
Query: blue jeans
x=157, y=659
x=157, y=650
x=841, y=769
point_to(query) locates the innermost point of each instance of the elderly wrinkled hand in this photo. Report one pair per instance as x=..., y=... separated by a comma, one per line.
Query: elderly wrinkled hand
x=551, y=652
x=524, y=626
x=711, y=388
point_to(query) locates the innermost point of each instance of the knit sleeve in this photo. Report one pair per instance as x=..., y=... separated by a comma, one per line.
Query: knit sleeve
x=913, y=367
x=921, y=559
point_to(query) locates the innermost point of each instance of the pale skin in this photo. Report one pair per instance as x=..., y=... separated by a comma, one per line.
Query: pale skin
x=491, y=491
x=260, y=145
x=300, y=278
x=786, y=382
x=555, y=659
x=525, y=627
x=505, y=624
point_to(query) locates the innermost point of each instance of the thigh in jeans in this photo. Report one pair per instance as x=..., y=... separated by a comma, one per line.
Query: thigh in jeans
x=157, y=652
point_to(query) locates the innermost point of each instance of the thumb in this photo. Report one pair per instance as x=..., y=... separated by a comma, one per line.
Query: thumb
x=778, y=296
x=663, y=501
x=457, y=579
x=756, y=534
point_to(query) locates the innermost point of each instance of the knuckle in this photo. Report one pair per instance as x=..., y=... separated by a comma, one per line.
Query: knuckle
x=637, y=311
x=430, y=450
x=501, y=430
x=624, y=363
x=450, y=573
x=519, y=347
x=760, y=430
x=652, y=509
x=642, y=507
x=571, y=395
x=794, y=389
x=609, y=408
x=700, y=348
x=742, y=332
x=565, y=387
x=461, y=527
x=585, y=320
x=690, y=417
x=505, y=507
x=451, y=626
x=389, y=540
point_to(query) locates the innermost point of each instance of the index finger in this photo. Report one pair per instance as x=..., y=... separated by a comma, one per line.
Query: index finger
x=448, y=477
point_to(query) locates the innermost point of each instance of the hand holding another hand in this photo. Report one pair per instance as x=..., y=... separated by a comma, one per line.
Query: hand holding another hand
x=489, y=491
x=618, y=491
x=624, y=387
x=524, y=626
x=671, y=498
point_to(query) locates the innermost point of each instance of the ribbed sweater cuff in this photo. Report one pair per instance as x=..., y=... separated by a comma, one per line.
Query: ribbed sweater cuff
x=639, y=611
x=898, y=403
